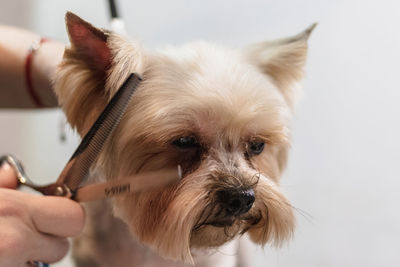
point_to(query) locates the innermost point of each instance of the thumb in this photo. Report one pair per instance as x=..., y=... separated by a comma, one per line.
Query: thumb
x=7, y=177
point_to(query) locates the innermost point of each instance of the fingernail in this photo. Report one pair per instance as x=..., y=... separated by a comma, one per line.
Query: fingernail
x=4, y=166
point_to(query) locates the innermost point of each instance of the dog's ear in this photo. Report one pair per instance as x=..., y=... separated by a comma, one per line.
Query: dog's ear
x=93, y=68
x=88, y=43
x=80, y=79
x=282, y=60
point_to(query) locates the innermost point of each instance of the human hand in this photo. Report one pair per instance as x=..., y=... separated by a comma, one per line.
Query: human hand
x=33, y=227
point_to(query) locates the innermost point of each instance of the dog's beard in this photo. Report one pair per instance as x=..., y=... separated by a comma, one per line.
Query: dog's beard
x=189, y=215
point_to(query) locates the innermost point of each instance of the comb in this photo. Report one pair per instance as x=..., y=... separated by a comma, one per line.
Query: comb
x=77, y=168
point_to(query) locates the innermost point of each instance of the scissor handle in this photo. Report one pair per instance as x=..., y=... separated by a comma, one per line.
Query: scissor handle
x=22, y=178
x=17, y=167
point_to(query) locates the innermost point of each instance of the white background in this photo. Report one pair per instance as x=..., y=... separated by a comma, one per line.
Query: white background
x=343, y=173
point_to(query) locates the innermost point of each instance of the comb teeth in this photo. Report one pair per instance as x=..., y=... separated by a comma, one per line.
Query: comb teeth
x=77, y=168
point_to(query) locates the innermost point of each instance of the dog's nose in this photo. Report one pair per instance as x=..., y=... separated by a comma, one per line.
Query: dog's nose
x=237, y=201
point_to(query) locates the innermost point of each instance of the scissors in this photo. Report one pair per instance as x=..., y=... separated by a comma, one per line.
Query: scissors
x=75, y=173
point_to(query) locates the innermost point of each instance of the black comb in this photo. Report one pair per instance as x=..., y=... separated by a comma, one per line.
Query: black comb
x=77, y=168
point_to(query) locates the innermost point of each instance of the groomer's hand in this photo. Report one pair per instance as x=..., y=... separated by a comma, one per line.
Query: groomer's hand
x=32, y=227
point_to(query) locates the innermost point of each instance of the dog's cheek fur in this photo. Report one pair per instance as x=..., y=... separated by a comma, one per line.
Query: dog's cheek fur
x=278, y=220
x=165, y=219
x=272, y=161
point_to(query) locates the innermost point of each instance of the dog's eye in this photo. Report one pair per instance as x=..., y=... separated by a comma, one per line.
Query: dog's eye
x=185, y=142
x=256, y=147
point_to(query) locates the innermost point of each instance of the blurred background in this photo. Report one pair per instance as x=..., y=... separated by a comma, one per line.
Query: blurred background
x=343, y=175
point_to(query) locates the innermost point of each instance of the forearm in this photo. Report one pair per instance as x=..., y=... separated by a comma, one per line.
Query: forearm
x=14, y=48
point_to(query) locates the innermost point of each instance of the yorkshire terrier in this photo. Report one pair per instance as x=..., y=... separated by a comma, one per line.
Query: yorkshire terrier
x=222, y=114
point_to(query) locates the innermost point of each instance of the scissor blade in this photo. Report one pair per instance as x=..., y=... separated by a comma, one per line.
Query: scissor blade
x=77, y=168
x=126, y=185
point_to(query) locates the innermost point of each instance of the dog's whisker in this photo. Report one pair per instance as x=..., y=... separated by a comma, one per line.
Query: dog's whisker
x=306, y=215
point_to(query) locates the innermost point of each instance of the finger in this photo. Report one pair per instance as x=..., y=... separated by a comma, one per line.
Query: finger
x=47, y=248
x=7, y=177
x=20, y=244
x=57, y=216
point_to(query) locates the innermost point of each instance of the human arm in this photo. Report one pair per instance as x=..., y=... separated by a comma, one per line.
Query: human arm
x=14, y=48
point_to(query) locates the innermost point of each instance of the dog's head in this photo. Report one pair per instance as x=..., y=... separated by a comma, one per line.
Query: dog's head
x=222, y=114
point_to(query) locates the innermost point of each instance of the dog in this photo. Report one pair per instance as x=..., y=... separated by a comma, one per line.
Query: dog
x=222, y=114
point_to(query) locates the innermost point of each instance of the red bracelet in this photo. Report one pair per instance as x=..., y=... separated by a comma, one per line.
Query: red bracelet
x=28, y=72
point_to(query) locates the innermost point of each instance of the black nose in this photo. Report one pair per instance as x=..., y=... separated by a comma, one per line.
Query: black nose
x=236, y=201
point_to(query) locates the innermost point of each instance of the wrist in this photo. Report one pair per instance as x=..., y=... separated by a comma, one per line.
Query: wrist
x=44, y=62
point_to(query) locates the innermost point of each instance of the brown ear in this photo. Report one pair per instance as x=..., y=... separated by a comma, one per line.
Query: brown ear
x=80, y=78
x=282, y=60
x=93, y=68
x=88, y=42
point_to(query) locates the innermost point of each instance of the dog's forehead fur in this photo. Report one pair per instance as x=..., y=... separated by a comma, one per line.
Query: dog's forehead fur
x=214, y=74
x=210, y=90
